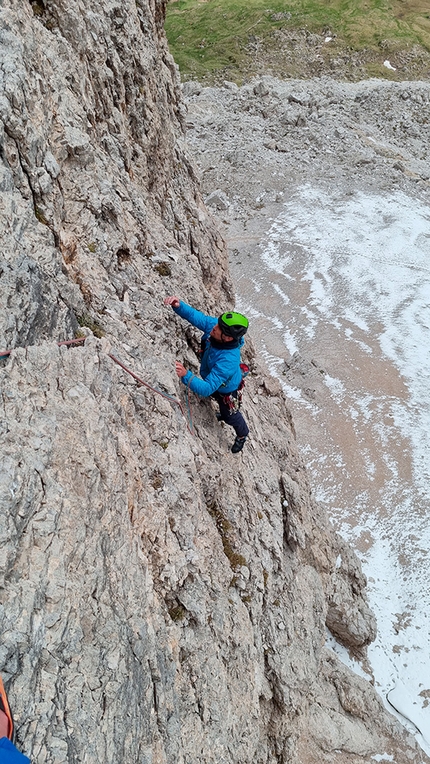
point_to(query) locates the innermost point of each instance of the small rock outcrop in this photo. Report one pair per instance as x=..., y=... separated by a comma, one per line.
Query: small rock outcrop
x=161, y=599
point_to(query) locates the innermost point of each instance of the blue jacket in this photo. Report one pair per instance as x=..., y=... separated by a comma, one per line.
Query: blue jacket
x=9, y=754
x=219, y=367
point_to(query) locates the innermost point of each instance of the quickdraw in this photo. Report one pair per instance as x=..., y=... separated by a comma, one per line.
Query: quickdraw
x=234, y=401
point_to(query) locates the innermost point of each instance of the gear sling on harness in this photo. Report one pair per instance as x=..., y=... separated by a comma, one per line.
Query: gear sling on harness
x=233, y=401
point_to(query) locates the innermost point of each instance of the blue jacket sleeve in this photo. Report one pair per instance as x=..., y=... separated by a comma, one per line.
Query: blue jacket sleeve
x=219, y=377
x=204, y=387
x=9, y=754
x=196, y=318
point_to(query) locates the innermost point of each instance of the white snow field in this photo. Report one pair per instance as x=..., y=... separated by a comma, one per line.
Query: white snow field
x=344, y=282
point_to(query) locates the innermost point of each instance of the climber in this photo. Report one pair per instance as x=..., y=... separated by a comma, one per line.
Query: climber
x=220, y=363
x=8, y=753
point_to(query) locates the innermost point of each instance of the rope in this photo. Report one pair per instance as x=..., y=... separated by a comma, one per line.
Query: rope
x=189, y=415
x=186, y=414
x=5, y=353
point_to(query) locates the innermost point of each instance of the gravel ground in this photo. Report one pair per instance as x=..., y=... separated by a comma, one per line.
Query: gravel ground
x=258, y=148
x=322, y=191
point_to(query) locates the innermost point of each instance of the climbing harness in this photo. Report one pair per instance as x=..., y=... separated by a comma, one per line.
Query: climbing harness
x=234, y=402
x=186, y=414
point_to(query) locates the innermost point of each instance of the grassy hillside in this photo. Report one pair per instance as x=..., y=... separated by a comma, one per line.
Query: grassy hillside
x=234, y=39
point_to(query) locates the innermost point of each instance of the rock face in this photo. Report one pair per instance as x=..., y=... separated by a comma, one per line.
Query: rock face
x=162, y=599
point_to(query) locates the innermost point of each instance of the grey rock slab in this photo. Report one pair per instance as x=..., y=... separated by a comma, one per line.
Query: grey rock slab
x=144, y=576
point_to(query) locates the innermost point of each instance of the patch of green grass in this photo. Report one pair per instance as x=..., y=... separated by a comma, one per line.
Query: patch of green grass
x=40, y=216
x=212, y=36
x=225, y=530
x=177, y=613
x=38, y=7
x=91, y=323
x=163, y=269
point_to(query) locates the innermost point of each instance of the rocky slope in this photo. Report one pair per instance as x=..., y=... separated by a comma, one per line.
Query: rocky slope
x=259, y=142
x=161, y=599
x=261, y=150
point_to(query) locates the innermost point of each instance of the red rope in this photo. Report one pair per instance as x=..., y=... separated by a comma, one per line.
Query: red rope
x=5, y=353
x=170, y=398
x=72, y=342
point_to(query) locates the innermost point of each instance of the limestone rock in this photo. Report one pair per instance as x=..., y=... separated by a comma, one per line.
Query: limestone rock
x=217, y=199
x=159, y=601
x=349, y=619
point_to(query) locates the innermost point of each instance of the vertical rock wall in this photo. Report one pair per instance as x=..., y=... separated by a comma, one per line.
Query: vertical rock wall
x=161, y=599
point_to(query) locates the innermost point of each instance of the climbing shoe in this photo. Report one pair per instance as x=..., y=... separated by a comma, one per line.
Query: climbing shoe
x=218, y=416
x=238, y=444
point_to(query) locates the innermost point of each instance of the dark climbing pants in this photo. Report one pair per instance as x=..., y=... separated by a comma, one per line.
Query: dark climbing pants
x=233, y=418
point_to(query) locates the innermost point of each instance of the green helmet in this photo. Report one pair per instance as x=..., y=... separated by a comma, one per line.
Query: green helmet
x=233, y=324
